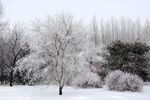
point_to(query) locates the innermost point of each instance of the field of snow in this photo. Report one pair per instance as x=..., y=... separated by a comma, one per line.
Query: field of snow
x=51, y=93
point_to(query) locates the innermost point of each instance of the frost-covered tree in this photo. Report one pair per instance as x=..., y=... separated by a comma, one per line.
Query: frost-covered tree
x=95, y=50
x=13, y=49
x=95, y=57
x=59, y=44
x=93, y=32
x=123, y=29
x=3, y=33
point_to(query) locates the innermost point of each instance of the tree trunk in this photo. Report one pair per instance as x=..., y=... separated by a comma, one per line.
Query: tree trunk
x=2, y=76
x=11, y=78
x=60, y=90
x=24, y=83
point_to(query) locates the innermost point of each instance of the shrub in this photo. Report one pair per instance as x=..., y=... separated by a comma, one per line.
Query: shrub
x=112, y=79
x=120, y=81
x=130, y=82
x=99, y=68
x=87, y=80
x=23, y=76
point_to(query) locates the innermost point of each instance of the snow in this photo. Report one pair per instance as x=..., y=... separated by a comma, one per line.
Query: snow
x=51, y=93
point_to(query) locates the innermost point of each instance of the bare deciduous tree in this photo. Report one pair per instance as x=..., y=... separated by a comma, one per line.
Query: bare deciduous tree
x=13, y=49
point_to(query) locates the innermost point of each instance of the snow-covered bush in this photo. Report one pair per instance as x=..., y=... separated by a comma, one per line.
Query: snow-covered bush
x=87, y=80
x=23, y=76
x=130, y=82
x=120, y=81
x=29, y=67
x=112, y=79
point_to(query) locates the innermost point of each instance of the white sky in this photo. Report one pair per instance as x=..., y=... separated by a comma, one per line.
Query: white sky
x=26, y=10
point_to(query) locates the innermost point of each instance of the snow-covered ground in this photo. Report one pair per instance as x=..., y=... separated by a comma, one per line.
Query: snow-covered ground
x=51, y=93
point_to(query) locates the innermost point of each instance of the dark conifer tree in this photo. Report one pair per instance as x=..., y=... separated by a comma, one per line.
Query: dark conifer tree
x=129, y=57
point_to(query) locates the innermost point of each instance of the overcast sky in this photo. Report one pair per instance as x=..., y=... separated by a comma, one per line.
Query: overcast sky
x=26, y=10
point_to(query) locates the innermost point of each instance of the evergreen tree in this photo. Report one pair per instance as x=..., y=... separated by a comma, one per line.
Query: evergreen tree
x=129, y=57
